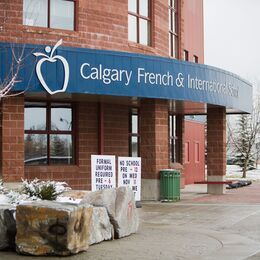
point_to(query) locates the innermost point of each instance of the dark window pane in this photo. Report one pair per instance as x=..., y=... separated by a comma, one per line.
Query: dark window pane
x=35, y=149
x=170, y=44
x=134, y=146
x=173, y=46
x=61, y=119
x=62, y=14
x=186, y=55
x=144, y=8
x=132, y=28
x=175, y=23
x=35, y=118
x=132, y=6
x=195, y=59
x=61, y=149
x=144, y=31
x=35, y=12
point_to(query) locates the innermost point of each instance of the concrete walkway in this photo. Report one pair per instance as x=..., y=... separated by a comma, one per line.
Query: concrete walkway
x=200, y=226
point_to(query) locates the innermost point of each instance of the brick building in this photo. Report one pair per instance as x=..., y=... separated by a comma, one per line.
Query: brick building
x=120, y=82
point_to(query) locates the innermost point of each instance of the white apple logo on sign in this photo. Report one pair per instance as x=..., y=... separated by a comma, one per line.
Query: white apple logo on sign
x=52, y=59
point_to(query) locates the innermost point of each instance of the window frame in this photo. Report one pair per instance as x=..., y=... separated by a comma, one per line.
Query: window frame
x=49, y=17
x=173, y=7
x=138, y=17
x=134, y=111
x=48, y=131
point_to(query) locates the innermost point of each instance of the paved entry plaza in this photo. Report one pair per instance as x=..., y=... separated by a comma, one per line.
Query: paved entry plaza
x=200, y=226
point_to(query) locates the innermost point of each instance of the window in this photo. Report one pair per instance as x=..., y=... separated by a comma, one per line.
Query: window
x=175, y=138
x=139, y=21
x=57, y=14
x=49, y=133
x=134, y=133
x=187, y=152
x=172, y=138
x=197, y=152
x=195, y=59
x=173, y=29
x=185, y=55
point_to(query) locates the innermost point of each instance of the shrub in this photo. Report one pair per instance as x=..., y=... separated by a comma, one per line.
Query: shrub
x=45, y=190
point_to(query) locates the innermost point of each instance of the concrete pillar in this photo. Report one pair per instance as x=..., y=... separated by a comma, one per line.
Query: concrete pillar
x=216, y=148
x=12, y=139
x=154, y=145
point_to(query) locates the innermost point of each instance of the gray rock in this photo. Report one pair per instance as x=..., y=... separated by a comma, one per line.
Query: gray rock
x=7, y=227
x=102, y=198
x=100, y=227
x=120, y=205
x=126, y=219
x=52, y=228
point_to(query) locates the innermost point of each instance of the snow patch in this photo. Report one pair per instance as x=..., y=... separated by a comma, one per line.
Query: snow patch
x=234, y=173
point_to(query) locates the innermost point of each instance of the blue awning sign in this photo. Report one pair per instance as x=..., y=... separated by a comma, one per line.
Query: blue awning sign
x=88, y=71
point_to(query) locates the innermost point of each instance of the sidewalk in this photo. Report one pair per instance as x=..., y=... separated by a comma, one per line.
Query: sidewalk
x=200, y=226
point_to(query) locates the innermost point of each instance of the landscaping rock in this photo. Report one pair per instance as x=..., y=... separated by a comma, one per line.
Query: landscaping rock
x=75, y=194
x=100, y=228
x=102, y=198
x=126, y=219
x=120, y=205
x=7, y=227
x=52, y=228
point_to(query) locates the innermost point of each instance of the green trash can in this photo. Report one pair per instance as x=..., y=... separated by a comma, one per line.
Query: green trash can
x=169, y=185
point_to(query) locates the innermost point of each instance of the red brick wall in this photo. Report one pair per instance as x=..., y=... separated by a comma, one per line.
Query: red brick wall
x=100, y=25
x=193, y=30
x=12, y=140
x=154, y=137
x=216, y=141
x=116, y=128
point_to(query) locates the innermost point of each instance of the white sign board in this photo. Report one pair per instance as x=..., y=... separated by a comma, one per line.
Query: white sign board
x=103, y=172
x=129, y=174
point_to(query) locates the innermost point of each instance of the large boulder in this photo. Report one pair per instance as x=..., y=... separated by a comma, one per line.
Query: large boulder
x=102, y=198
x=52, y=228
x=75, y=194
x=100, y=227
x=7, y=227
x=126, y=218
x=120, y=205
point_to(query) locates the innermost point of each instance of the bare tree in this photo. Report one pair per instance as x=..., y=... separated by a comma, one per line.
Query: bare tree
x=243, y=137
x=11, y=78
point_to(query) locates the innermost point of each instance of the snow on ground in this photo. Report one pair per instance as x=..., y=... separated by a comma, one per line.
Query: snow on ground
x=234, y=173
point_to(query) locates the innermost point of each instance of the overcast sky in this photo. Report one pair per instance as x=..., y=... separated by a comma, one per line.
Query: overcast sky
x=232, y=36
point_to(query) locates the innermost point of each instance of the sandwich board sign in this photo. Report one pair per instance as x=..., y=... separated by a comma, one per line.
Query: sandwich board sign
x=129, y=174
x=103, y=172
